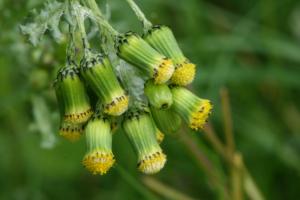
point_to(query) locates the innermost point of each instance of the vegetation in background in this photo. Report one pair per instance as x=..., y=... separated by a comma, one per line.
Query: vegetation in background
x=249, y=57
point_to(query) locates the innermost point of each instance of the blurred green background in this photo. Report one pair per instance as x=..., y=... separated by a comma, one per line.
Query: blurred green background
x=252, y=48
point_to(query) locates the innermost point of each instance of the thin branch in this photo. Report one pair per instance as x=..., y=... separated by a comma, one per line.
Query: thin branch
x=212, y=137
x=140, y=15
x=228, y=130
x=237, y=177
x=164, y=190
x=80, y=22
x=102, y=22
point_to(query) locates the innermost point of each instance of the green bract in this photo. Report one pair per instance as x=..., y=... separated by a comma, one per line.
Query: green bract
x=162, y=39
x=72, y=97
x=97, y=71
x=99, y=157
x=139, y=128
x=132, y=48
x=191, y=108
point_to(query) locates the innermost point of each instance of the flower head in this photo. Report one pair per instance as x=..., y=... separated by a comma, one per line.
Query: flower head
x=71, y=132
x=99, y=157
x=139, y=128
x=191, y=108
x=162, y=39
x=159, y=95
x=97, y=70
x=72, y=97
x=136, y=51
x=184, y=73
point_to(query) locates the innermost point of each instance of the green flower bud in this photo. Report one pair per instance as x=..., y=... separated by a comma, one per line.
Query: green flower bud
x=159, y=96
x=166, y=120
x=71, y=132
x=99, y=157
x=162, y=39
x=191, y=108
x=136, y=51
x=72, y=98
x=139, y=128
x=98, y=72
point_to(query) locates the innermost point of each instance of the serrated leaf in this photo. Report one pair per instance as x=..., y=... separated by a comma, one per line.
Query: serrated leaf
x=47, y=19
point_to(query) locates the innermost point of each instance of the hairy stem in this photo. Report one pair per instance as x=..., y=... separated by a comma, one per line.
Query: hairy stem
x=80, y=22
x=102, y=22
x=140, y=15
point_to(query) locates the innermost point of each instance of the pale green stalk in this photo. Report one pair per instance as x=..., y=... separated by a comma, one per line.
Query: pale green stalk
x=140, y=15
x=80, y=22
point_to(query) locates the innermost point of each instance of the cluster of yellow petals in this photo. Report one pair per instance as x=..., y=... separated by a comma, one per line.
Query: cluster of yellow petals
x=199, y=117
x=184, y=74
x=71, y=132
x=152, y=163
x=118, y=106
x=98, y=162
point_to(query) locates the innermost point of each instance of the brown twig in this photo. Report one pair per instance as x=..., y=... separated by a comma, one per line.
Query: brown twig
x=228, y=129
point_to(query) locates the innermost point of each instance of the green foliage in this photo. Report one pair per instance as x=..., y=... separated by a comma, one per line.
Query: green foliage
x=46, y=19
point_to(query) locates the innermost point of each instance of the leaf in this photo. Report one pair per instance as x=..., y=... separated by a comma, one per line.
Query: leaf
x=47, y=19
x=42, y=122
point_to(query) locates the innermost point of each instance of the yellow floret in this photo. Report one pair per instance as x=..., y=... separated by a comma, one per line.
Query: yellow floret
x=159, y=136
x=78, y=117
x=153, y=163
x=71, y=132
x=98, y=162
x=199, y=117
x=164, y=71
x=118, y=106
x=184, y=74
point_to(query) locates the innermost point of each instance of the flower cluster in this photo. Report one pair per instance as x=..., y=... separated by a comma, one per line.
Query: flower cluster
x=93, y=99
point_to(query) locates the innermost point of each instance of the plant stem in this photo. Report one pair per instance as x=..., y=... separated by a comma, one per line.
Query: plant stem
x=80, y=22
x=240, y=176
x=212, y=137
x=140, y=15
x=102, y=22
x=230, y=146
x=71, y=48
x=164, y=190
x=237, y=176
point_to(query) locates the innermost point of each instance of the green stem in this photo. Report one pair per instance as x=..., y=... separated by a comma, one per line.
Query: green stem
x=80, y=22
x=102, y=22
x=140, y=15
x=164, y=190
x=71, y=46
